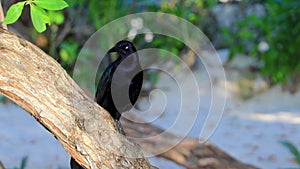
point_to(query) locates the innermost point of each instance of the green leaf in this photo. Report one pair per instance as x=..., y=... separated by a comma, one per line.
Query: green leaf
x=68, y=51
x=39, y=18
x=51, y=4
x=56, y=17
x=245, y=34
x=14, y=13
x=292, y=149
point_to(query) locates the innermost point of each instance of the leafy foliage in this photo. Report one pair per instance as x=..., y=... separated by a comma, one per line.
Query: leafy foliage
x=89, y=12
x=56, y=17
x=51, y=5
x=196, y=12
x=68, y=51
x=277, y=31
x=40, y=18
x=282, y=34
x=273, y=39
x=14, y=13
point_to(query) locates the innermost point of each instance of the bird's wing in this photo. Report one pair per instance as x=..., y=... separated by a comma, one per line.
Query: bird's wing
x=135, y=87
x=104, y=85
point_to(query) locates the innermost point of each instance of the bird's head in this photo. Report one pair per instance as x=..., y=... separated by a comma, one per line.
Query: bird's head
x=124, y=48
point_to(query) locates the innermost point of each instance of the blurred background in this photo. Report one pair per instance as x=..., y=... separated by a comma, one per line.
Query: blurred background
x=257, y=41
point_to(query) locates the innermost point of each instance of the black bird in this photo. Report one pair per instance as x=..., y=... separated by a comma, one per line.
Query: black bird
x=128, y=75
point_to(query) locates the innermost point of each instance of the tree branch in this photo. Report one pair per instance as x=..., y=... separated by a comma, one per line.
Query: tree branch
x=39, y=85
x=189, y=153
x=2, y=17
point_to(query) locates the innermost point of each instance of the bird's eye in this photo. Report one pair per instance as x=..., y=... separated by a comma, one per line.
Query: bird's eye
x=126, y=47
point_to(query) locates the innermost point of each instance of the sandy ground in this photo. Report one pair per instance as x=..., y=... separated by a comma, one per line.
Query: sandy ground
x=250, y=130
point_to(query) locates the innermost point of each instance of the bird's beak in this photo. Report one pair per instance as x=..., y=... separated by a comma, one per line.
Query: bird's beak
x=112, y=50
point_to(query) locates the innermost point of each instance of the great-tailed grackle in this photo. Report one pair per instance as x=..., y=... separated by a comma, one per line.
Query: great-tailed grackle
x=124, y=50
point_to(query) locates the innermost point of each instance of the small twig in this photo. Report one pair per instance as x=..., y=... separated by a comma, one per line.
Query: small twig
x=2, y=17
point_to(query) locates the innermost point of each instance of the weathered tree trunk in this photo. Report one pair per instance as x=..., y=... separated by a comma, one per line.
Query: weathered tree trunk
x=189, y=153
x=39, y=85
